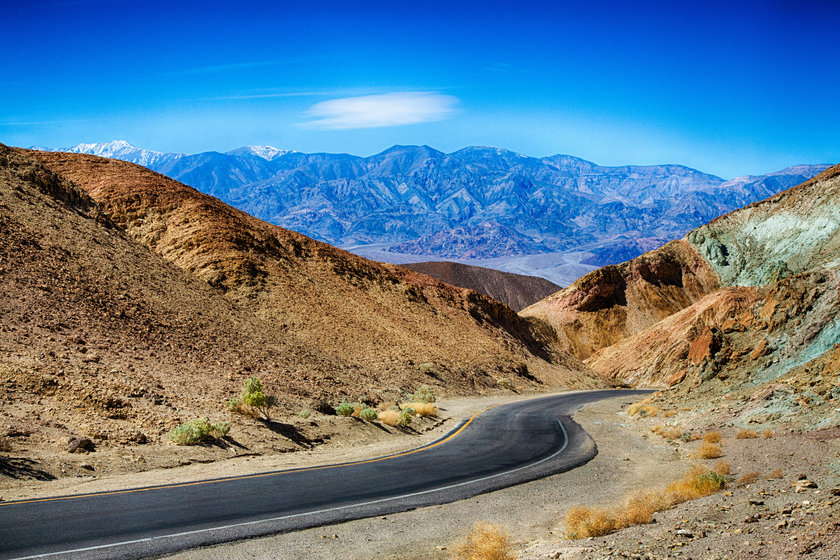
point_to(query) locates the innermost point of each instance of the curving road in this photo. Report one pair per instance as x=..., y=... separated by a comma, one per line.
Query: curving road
x=498, y=447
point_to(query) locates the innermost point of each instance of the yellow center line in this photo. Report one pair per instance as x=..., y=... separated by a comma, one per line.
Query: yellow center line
x=259, y=475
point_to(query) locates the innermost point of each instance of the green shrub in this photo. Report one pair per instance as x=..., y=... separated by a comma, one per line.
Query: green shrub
x=424, y=394
x=305, y=413
x=345, y=409
x=406, y=416
x=368, y=415
x=253, y=401
x=506, y=383
x=190, y=433
x=219, y=429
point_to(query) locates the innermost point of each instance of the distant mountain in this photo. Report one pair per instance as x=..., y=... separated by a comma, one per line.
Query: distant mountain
x=476, y=203
x=516, y=290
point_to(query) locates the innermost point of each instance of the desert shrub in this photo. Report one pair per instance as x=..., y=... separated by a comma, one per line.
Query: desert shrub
x=582, y=522
x=406, y=415
x=778, y=473
x=253, y=401
x=5, y=445
x=722, y=468
x=746, y=434
x=643, y=408
x=190, y=433
x=485, y=542
x=368, y=415
x=390, y=417
x=219, y=429
x=423, y=394
x=689, y=436
x=305, y=413
x=713, y=437
x=668, y=432
x=669, y=413
x=422, y=408
x=427, y=369
x=768, y=434
x=254, y=396
x=345, y=408
x=748, y=478
x=708, y=451
x=639, y=507
x=505, y=383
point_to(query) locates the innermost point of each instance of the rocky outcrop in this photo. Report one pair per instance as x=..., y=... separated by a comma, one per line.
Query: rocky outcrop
x=618, y=301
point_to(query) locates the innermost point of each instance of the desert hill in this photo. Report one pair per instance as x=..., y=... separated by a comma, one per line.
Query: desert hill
x=763, y=323
x=381, y=320
x=132, y=303
x=517, y=291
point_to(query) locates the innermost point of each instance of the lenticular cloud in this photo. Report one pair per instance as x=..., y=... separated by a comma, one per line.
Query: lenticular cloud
x=389, y=109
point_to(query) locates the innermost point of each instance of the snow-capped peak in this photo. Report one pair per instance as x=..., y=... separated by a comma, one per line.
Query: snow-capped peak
x=120, y=149
x=266, y=152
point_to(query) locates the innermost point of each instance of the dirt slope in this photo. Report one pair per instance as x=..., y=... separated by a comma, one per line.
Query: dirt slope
x=517, y=291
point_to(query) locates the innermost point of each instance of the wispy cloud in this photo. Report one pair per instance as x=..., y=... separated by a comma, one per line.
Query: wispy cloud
x=387, y=109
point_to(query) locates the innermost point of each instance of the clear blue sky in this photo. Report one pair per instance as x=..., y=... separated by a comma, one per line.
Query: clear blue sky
x=727, y=87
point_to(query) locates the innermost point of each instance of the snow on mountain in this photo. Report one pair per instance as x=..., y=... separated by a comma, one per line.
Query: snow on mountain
x=476, y=203
x=268, y=153
x=120, y=149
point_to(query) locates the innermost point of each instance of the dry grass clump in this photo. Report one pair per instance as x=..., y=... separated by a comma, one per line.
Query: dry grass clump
x=746, y=434
x=722, y=468
x=708, y=451
x=713, y=437
x=669, y=413
x=421, y=408
x=638, y=508
x=5, y=445
x=777, y=474
x=768, y=434
x=390, y=417
x=643, y=410
x=485, y=542
x=668, y=432
x=748, y=478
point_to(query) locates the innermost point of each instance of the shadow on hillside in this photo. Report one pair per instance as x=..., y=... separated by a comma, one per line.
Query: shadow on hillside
x=22, y=468
x=289, y=432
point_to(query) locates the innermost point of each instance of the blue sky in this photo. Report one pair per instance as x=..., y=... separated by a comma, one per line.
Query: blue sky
x=727, y=87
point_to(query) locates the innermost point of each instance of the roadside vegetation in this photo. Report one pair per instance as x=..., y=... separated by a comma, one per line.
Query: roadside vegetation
x=638, y=508
x=419, y=403
x=485, y=542
x=253, y=401
x=196, y=431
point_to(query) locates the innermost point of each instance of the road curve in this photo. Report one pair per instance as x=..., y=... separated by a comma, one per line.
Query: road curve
x=498, y=447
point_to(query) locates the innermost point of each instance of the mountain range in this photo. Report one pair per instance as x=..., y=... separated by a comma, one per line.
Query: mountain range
x=410, y=203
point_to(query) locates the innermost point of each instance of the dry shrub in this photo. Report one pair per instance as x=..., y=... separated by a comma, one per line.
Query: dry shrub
x=421, y=408
x=713, y=437
x=668, y=432
x=748, y=478
x=722, y=468
x=635, y=408
x=696, y=484
x=708, y=451
x=485, y=542
x=746, y=434
x=685, y=408
x=778, y=473
x=669, y=413
x=390, y=417
x=5, y=445
x=582, y=522
x=767, y=434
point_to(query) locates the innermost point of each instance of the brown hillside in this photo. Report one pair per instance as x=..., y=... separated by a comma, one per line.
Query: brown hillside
x=517, y=291
x=617, y=301
x=381, y=320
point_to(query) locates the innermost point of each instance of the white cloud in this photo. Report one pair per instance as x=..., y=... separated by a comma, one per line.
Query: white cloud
x=388, y=109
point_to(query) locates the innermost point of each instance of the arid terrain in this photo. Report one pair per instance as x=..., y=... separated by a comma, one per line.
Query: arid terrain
x=133, y=303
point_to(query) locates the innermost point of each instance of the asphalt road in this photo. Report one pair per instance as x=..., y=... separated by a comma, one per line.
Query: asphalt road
x=498, y=447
